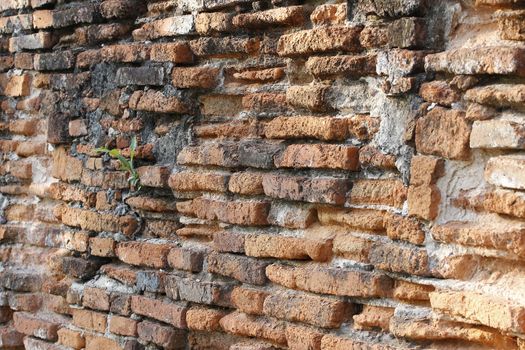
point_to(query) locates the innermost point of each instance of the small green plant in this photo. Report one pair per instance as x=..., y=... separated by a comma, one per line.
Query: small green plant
x=125, y=164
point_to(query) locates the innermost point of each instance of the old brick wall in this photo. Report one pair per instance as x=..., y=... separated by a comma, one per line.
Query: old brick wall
x=315, y=175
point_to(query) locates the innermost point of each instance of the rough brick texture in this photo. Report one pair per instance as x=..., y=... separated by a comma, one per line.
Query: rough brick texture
x=309, y=175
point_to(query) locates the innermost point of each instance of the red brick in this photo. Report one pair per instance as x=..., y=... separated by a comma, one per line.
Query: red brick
x=299, y=188
x=443, y=133
x=102, y=246
x=423, y=201
x=249, y=300
x=381, y=192
x=123, y=326
x=18, y=86
x=315, y=310
x=94, y=342
x=95, y=298
x=241, y=268
x=161, y=335
x=290, y=248
x=283, y=16
x=319, y=156
x=195, y=77
x=154, y=176
x=320, y=40
x=242, y=324
x=186, y=259
x=198, y=181
x=399, y=258
x=204, y=319
x=90, y=320
x=156, y=101
x=153, y=204
x=322, y=128
x=71, y=338
x=144, y=254
x=235, y=212
x=89, y=220
x=41, y=326
x=246, y=183
x=171, y=52
x=332, y=281
x=171, y=313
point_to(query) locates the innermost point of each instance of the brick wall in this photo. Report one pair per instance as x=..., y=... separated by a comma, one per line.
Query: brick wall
x=315, y=176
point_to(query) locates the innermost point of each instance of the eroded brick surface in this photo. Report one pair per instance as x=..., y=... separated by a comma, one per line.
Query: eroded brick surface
x=305, y=175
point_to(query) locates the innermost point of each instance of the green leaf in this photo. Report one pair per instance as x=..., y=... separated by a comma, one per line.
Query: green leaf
x=101, y=150
x=132, y=147
x=115, y=152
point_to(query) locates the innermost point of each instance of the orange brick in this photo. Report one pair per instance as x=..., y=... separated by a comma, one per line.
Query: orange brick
x=123, y=326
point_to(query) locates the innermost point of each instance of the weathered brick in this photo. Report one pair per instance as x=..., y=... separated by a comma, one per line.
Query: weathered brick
x=156, y=101
x=482, y=60
x=71, y=338
x=292, y=248
x=144, y=254
x=489, y=310
x=246, y=183
x=186, y=259
x=123, y=326
x=334, y=281
x=178, y=52
x=224, y=47
x=195, y=77
x=198, y=181
x=362, y=219
x=322, y=128
x=140, y=76
x=400, y=258
x=18, y=86
x=95, y=342
x=221, y=154
x=241, y=268
x=234, y=212
x=95, y=298
x=171, y=26
x=359, y=65
x=299, y=188
x=213, y=22
x=423, y=201
x=197, y=291
x=374, y=317
x=122, y=8
x=444, y=133
x=242, y=324
x=90, y=220
x=319, y=156
x=154, y=176
x=171, y=313
x=284, y=16
x=315, y=310
x=425, y=170
x=497, y=134
x=382, y=192
x=90, y=320
x=439, y=92
x=320, y=40
x=40, y=326
x=350, y=246
x=504, y=236
x=16, y=23
x=40, y=40
x=54, y=61
x=412, y=292
x=84, y=13
x=131, y=53
x=309, y=97
x=498, y=95
x=330, y=14
x=406, y=229
x=161, y=335
x=80, y=268
x=229, y=105
x=204, y=319
x=291, y=215
x=249, y=300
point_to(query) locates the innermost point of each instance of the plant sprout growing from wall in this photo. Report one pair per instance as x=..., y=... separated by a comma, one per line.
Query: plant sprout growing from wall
x=125, y=164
